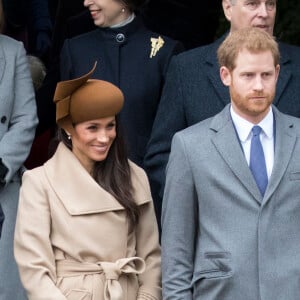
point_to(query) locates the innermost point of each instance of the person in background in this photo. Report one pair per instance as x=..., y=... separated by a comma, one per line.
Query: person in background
x=86, y=227
x=130, y=56
x=194, y=91
x=18, y=120
x=232, y=188
x=29, y=21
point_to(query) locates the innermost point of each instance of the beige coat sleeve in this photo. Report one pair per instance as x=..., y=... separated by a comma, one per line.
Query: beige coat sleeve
x=33, y=249
x=148, y=248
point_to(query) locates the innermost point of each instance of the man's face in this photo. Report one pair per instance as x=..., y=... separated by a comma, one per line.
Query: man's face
x=250, y=13
x=252, y=84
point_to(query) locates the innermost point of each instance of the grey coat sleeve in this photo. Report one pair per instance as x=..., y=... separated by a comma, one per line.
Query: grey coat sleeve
x=179, y=225
x=18, y=107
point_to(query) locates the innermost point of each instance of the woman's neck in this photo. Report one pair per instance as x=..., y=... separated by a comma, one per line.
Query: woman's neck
x=125, y=22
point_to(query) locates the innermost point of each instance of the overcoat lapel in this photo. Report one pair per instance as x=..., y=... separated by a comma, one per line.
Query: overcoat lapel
x=227, y=144
x=284, y=74
x=285, y=140
x=78, y=191
x=213, y=70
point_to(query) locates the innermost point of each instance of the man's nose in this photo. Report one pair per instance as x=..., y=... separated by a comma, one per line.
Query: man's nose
x=262, y=10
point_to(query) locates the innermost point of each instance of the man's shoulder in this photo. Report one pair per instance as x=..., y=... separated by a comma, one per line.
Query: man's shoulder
x=289, y=53
x=199, y=129
x=200, y=53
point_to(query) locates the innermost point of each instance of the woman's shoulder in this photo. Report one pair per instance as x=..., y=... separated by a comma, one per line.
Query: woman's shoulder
x=10, y=43
x=33, y=173
x=134, y=168
x=140, y=184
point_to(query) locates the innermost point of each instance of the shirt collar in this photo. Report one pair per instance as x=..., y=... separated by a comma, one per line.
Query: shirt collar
x=244, y=127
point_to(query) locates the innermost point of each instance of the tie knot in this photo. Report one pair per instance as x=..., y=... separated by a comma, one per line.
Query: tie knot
x=256, y=130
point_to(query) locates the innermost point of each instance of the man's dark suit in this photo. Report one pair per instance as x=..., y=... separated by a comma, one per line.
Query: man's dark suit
x=193, y=92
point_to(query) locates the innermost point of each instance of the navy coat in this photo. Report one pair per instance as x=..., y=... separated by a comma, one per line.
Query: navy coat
x=123, y=56
x=194, y=91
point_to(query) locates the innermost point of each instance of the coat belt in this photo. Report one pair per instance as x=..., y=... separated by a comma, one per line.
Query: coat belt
x=111, y=271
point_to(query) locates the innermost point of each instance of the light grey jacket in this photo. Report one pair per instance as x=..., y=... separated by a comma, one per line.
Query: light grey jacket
x=220, y=238
x=17, y=127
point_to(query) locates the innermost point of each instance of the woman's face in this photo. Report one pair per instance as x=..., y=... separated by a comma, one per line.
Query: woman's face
x=92, y=140
x=106, y=13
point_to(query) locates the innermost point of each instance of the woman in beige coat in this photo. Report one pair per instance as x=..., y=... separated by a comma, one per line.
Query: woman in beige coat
x=86, y=227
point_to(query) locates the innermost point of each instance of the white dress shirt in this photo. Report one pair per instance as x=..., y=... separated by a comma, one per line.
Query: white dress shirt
x=244, y=127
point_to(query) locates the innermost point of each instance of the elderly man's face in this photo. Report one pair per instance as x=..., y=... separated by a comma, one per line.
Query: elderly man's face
x=250, y=13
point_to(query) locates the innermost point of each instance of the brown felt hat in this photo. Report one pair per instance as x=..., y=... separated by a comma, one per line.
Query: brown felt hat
x=83, y=99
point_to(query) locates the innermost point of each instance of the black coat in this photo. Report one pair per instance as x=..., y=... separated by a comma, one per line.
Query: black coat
x=123, y=56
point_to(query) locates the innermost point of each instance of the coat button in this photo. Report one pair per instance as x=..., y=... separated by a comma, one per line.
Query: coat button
x=120, y=37
x=3, y=119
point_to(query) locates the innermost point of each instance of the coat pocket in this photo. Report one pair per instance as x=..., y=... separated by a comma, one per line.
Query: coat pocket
x=295, y=176
x=214, y=265
x=78, y=294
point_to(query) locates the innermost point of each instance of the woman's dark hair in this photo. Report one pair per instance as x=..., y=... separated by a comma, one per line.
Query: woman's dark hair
x=134, y=5
x=113, y=174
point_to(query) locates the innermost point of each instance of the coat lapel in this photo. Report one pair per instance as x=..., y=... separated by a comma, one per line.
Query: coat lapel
x=213, y=72
x=78, y=191
x=226, y=141
x=285, y=140
x=284, y=74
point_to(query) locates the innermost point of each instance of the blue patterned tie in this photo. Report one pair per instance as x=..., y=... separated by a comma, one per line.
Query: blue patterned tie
x=257, y=161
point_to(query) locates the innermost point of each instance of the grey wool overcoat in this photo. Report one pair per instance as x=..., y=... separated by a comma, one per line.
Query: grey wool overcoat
x=17, y=128
x=220, y=238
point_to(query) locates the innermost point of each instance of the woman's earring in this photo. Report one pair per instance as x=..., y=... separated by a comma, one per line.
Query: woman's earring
x=123, y=10
x=69, y=136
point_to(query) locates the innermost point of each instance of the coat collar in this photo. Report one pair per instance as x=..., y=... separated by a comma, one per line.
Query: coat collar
x=285, y=71
x=78, y=191
x=212, y=70
x=226, y=141
x=285, y=138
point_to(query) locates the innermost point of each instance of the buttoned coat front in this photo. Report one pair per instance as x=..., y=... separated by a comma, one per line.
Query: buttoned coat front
x=72, y=236
x=221, y=239
x=18, y=120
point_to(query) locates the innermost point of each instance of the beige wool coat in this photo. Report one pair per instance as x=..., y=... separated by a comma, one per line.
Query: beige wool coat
x=72, y=238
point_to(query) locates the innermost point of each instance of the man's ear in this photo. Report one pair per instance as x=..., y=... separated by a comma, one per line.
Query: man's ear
x=225, y=76
x=227, y=9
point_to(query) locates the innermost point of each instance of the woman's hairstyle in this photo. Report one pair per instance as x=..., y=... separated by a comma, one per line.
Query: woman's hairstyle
x=113, y=174
x=252, y=39
x=134, y=5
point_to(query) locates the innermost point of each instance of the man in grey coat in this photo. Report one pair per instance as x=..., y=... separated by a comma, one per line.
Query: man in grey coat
x=227, y=234
x=193, y=90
